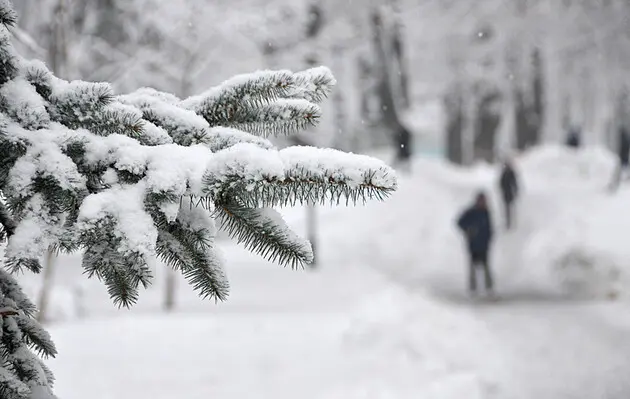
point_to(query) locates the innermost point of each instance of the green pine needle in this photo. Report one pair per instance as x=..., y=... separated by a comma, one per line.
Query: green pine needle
x=19, y=265
x=8, y=16
x=191, y=252
x=110, y=266
x=261, y=235
x=299, y=187
x=220, y=102
x=36, y=337
x=9, y=288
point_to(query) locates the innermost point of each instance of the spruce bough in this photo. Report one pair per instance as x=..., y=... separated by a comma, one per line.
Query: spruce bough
x=128, y=178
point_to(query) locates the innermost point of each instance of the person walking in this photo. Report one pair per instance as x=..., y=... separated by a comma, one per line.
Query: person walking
x=476, y=224
x=508, y=184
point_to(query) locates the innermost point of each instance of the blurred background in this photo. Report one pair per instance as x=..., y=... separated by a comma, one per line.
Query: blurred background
x=445, y=91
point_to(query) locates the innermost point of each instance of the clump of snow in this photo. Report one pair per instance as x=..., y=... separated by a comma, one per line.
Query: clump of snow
x=43, y=158
x=351, y=169
x=24, y=104
x=220, y=137
x=35, y=232
x=155, y=135
x=247, y=161
x=177, y=169
x=183, y=125
x=151, y=92
x=125, y=204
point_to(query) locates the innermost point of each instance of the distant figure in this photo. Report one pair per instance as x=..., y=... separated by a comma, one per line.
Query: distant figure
x=574, y=137
x=508, y=184
x=476, y=224
x=403, y=138
x=623, y=152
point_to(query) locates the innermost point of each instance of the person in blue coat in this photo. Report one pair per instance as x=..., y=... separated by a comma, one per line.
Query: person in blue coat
x=476, y=224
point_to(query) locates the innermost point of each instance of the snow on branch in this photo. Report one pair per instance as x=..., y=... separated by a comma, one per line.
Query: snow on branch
x=20, y=101
x=266, y=102
x=314, y=84
x=296, y=175
x=119, y=238
x=247, y=91
x=91, y=106
x=184, y=126
x=8, y=16
x=220, y=138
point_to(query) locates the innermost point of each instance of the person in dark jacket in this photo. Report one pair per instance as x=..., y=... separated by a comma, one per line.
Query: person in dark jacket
x=574, y=137
x=476, y=224
x=508, y=184
x=623, y=152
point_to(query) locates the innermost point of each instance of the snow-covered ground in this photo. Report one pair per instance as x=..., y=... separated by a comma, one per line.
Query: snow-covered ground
x=386, y=315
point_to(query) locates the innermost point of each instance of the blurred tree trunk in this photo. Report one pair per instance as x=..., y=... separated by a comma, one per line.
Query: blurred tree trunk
x=538, y=98
x=390, y=114
x=488, y=118
x=47, y=285
x=58, y=53
x=530, y=106
x=454, y=105
x=58, y=47
x=342, y=139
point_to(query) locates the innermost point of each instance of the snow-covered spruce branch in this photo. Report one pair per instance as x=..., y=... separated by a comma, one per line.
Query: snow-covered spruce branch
x=297, y=175
x=248, y=91
x=186, y=243
x=262, y=230
x=243, y=100
x=8, y=16
x=284, y=116
x=12, y=291
x=183, y=126
x=314, y=84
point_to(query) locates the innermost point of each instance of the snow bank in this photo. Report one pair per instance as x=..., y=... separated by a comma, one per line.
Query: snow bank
x=566, y=166
x=585, y=248
x=409, y=330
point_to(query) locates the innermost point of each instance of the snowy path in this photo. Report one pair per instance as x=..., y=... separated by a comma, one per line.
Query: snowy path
x=386, y=316
x=540, y=343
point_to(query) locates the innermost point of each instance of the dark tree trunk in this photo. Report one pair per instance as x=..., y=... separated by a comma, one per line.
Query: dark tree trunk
x=486, y=124
x=538, y=98
x=530, y=108
x=390, y=119
x=453, y=103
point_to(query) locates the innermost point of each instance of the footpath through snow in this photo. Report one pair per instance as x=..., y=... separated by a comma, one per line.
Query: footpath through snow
x=386, y=315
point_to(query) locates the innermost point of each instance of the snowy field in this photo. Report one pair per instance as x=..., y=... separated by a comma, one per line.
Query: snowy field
x=385, y=315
